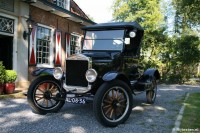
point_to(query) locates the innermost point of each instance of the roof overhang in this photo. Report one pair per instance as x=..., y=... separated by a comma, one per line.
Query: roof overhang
x=50, y=7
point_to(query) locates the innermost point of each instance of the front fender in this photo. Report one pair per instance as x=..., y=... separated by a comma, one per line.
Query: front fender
x=109, y=76
x=152, y=72
x=43, y=71
x=115, y=75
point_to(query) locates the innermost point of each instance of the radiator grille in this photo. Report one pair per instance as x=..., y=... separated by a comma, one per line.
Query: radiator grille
x=75, y=72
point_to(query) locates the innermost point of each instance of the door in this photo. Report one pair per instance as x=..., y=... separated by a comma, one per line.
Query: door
x=6, y=51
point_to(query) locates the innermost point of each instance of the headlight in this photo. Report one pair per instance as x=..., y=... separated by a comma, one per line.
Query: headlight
x=91, y=75
x=58, y=73
x=132, y=34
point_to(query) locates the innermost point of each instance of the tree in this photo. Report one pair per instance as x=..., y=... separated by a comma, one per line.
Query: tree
x=187, y=15
x=145, y=12
x=174, y=55
x=148, y=14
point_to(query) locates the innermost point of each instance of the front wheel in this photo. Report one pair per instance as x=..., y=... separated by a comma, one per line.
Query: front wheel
x=42, y=95
x=151, y=94
x=113, y=103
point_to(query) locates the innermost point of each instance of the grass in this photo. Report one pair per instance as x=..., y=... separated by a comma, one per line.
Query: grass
x=191, y=115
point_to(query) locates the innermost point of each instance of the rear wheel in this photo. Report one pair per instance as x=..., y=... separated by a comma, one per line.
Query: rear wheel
x=151, y=94
x=113, y=103
x=42, y=95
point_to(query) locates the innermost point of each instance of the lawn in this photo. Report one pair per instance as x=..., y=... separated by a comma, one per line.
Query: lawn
x=191, y=115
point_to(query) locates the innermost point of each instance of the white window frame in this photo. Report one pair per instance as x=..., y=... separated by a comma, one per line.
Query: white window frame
x=51, y=54
x=79, y=42
x=65, y=3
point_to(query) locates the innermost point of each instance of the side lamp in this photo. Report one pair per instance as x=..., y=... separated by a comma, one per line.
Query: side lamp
x=30, y=24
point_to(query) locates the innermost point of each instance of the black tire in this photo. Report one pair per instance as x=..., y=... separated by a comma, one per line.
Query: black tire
x=151, y=94
x=40, y=94
x=113, y=109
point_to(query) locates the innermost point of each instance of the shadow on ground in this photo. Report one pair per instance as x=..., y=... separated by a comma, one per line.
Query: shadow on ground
x=16, y=115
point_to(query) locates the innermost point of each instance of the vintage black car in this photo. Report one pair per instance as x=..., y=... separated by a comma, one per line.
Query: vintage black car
x=106, y=72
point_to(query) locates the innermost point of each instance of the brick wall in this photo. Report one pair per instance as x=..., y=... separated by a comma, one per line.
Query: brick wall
x=49, y=19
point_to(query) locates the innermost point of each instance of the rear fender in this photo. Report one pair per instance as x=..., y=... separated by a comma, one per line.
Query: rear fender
x=151, y=72
x=43, y=71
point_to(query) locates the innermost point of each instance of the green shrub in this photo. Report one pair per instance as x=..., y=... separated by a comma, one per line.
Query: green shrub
x=2, y=73
x=11, y=76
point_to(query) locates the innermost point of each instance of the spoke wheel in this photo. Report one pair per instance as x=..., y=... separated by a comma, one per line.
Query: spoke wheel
x=42, y=95
x=151, y=94
x=113, y=103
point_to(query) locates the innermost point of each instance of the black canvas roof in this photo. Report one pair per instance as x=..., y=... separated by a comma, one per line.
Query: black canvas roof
x=114, y=25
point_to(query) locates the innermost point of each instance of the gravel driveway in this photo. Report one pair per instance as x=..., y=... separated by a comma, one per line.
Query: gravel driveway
x=17, y=117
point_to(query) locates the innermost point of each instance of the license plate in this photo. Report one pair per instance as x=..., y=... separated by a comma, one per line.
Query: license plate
x=76, y=100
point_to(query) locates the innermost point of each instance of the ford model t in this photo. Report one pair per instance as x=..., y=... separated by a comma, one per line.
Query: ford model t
x=106, y=73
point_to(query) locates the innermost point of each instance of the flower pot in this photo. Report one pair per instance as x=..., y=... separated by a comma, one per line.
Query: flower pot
x=1, y=89
x=9, y=88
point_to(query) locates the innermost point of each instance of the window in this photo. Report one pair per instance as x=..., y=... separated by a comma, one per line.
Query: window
x=43, y=45
x=6, y=25
x=63, y=3
x=104, y=40
x=75, y=44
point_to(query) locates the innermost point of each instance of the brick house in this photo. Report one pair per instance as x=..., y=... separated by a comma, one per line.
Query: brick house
x=56, y=34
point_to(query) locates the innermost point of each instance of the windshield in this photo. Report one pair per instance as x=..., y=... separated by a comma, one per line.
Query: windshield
x=103, y=40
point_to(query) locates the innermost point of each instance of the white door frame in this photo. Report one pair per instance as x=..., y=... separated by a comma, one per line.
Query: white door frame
x=14, y=35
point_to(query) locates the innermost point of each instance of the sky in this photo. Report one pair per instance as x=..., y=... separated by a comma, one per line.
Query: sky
x=99, y=10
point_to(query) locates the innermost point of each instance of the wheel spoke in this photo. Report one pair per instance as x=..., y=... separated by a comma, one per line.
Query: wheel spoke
x=123, y=100
x=40, y=89
x=39, y=98
x=120, y=96
x=51, y=102
x=106, y=106
x=119, y=111
x=47, y=103
x=117, y=94
x=111, y=113
x=52, y=87
x=39, y=94
x=106, y=101
x=122, y=106
x=48, y=86
x=109, y=109
x=43, y=101
x=113, y=94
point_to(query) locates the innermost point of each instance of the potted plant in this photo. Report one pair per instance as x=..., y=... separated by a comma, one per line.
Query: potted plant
x=2, y=77
x=10, y=78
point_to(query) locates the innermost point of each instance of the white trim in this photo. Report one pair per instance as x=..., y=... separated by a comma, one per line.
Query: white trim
x=65, y=3
x=67, y=50
x=15, y=35
x=51, y=65
x=79, y=37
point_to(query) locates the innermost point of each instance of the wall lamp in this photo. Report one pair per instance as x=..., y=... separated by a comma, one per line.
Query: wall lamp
x=30, y=24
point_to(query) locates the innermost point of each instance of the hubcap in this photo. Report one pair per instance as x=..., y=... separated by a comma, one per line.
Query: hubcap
x=47, y=95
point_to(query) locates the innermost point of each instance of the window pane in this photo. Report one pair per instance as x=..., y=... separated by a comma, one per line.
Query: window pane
x=63, y=3
x=75, y=44
x=43, y=45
